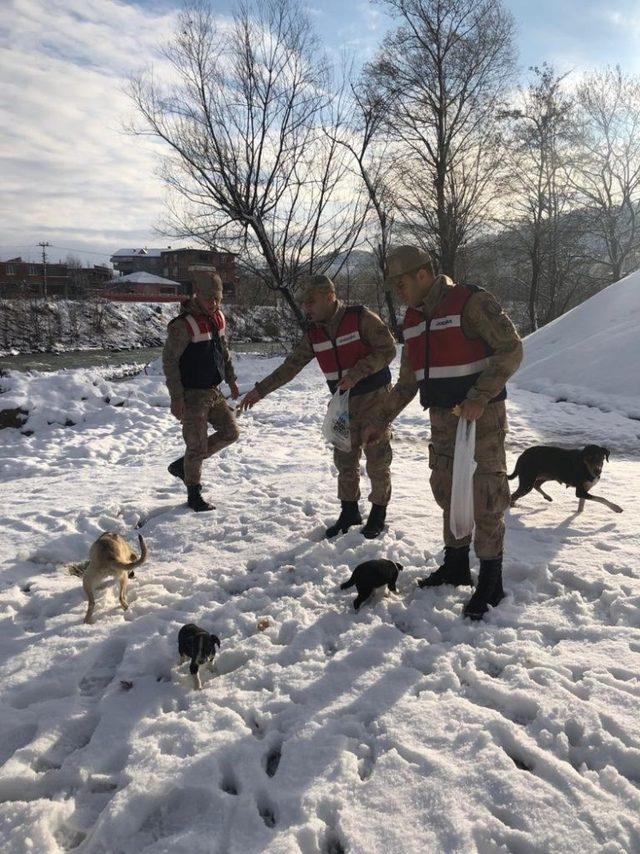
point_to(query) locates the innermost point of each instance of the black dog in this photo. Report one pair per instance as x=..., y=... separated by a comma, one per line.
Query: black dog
x=580, y=469
x=198, y=645
x=371, y=574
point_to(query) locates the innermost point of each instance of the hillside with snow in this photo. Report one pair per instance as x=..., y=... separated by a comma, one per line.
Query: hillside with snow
x=591, y=354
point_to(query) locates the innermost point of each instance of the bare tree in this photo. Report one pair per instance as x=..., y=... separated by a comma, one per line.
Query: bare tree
x=249, y=161
x=542, y=207
x=366, y=137
x=608, y=173
x=442, y=72
x=75, y=276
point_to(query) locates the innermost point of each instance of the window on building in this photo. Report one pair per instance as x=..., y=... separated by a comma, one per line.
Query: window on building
x=11, y=270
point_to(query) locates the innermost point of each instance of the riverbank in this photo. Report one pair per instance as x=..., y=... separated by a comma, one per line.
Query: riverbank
x=139, y=356
x=47, y=328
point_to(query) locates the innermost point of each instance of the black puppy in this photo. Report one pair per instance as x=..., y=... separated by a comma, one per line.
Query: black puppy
x=198, y=645
x=580, y=469
x=371, y=574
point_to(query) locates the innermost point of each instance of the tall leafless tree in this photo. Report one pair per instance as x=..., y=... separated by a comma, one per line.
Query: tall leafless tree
x=541, y=207
x=366, y=136
x=443, y=72
x=75, y=277
x=608, y=173
x=244, y=116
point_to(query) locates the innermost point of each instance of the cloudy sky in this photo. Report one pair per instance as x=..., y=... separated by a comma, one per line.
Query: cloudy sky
x=71, y=176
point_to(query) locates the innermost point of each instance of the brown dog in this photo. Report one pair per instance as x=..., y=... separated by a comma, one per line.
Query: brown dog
x=111, y=554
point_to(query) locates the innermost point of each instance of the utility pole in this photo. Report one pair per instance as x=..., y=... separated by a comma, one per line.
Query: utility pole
x=44, y=265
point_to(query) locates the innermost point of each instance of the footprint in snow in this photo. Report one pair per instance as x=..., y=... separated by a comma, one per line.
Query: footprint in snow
x=272, y=760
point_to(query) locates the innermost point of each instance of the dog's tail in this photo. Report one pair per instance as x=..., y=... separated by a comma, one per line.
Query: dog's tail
x=515, y=472
x=143, y=553
x=347, y=584
x=137, y=561
x=141, y=559
x=77, y=569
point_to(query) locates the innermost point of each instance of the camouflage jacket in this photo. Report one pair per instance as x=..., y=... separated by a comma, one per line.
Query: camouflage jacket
x=178, y=337
x=375, y=334
x=483, y=318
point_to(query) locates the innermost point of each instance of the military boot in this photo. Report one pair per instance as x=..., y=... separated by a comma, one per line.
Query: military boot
x=375, y=522
x=176, y=468
x=489, y=590
x=349, y=515
x=195, y=499
x=454, y=570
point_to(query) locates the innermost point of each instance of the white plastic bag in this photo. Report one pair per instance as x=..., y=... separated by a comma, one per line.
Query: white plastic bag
x=335, y=427
x=464, y=466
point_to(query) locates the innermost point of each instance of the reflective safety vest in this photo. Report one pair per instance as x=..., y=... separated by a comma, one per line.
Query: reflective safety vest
x=337, y=355
x=445, y=363
x=202, y=363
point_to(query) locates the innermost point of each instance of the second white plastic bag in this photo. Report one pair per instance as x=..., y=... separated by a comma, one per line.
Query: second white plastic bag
x=464, y=466
x=335, y=427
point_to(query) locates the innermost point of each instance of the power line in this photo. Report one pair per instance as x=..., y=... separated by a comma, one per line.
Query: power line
x=14, y=246
x=81, y=251
x=44, y=245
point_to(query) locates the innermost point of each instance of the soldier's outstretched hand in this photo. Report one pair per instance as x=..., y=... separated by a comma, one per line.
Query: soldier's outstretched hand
x=249, y=400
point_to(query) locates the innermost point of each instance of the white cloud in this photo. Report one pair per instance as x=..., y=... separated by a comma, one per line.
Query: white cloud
x=626, y=22
x=70, y=173
x=370, y=15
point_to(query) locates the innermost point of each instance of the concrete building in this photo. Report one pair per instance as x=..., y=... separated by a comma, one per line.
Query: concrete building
x=127, y=261
x=174, y=264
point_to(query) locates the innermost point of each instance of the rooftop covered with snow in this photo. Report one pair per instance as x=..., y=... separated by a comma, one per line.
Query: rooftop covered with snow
x=135, y=253
x=141, y=278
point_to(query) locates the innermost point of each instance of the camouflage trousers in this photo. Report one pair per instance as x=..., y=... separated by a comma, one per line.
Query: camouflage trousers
x=378, y=457
x=201, y=408
x=490, y=486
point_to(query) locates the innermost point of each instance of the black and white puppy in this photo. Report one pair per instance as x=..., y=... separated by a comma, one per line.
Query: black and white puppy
x=371, y=574
x=578, y=468
x=198, y=645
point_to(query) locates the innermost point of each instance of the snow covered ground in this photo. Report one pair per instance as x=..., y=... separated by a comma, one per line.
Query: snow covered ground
x=591, y=354
x=403, y=728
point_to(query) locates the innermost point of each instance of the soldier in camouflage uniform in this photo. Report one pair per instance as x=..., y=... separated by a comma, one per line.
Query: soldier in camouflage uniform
x=460, y=349
x=354, y=349
x=196, y=360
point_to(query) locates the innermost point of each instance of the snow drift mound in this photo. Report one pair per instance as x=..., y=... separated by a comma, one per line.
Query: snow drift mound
x=590, y=355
